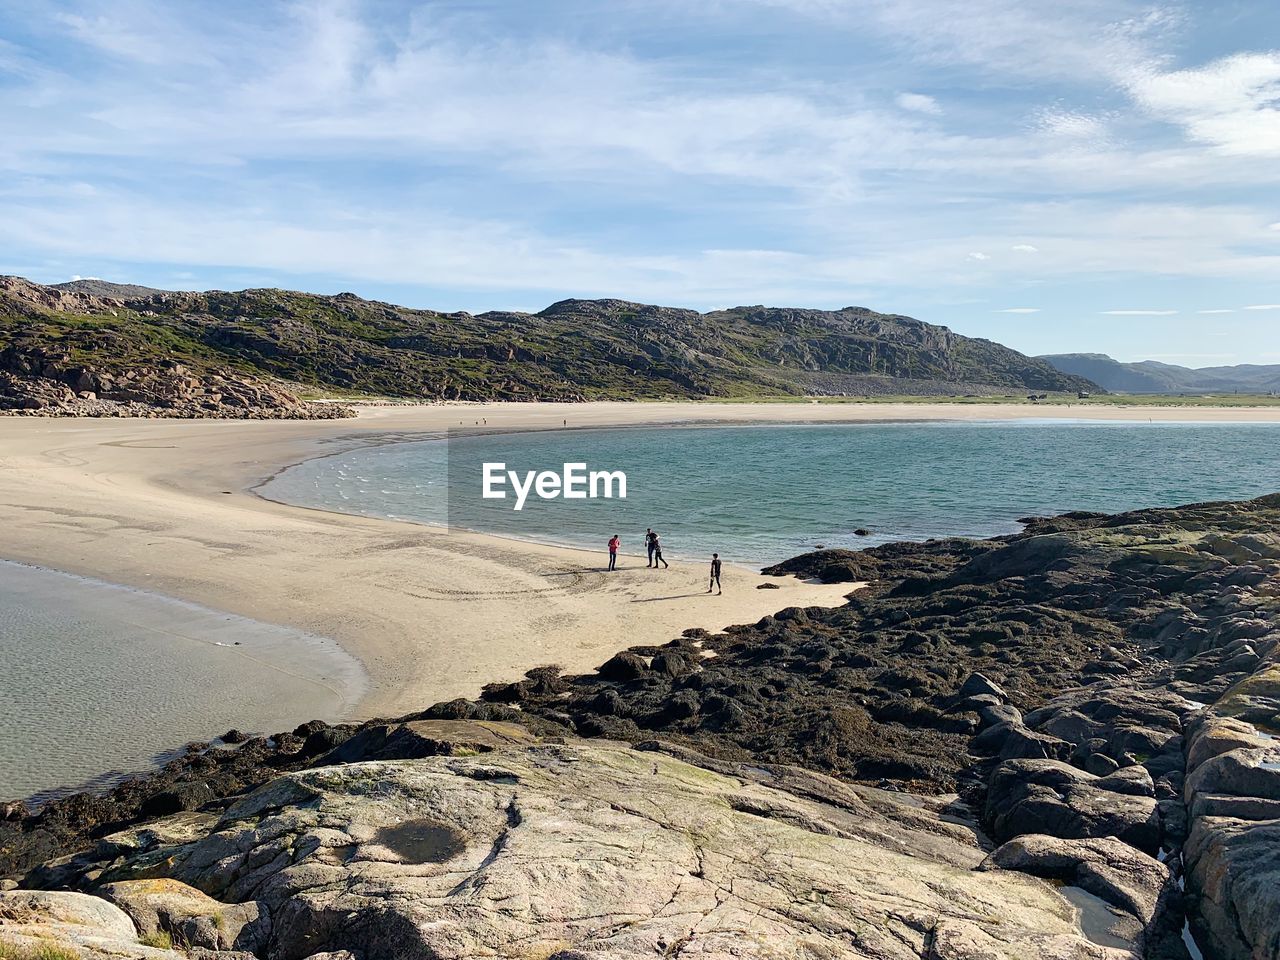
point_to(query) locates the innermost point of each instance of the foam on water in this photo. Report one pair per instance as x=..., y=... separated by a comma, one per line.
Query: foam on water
x=96, y=677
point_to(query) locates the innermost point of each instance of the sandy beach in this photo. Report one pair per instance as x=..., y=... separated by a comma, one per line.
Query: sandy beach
x=169, y=506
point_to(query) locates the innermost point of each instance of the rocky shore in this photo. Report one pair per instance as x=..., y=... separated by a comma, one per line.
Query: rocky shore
x=1053, y=744
x=47, y=382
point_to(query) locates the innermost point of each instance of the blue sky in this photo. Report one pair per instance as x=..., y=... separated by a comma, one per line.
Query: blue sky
x=1083, y=175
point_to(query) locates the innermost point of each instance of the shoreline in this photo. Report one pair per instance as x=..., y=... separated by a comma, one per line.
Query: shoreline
x=171, y=506
x=75, y=648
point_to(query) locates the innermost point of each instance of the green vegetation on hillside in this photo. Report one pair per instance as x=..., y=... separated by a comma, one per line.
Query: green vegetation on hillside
x=575, y=349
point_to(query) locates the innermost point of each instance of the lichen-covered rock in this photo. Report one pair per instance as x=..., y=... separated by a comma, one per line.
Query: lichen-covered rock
x=603, y=851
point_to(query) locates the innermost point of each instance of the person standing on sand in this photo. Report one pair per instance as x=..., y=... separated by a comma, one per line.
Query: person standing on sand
x=614, y=543
x=715, y=574
x=649, y=538
x=657, y=552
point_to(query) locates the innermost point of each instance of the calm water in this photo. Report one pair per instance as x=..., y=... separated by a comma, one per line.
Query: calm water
x=759, y=494
x=97, y=678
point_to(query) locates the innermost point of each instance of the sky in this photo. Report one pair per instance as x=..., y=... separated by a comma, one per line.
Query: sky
x=1083, y=175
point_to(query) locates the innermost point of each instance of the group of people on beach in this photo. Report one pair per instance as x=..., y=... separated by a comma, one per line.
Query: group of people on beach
x=653, y=547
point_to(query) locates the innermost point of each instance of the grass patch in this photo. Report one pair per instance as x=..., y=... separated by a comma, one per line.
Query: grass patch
x=160, y=939
x=44, y=951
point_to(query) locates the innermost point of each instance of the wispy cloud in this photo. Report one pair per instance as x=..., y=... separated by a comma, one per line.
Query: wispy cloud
x=1019, y=310
x=1070, y=124
x=1138, y=313
x=918, y=103
x=1218, y=310
x=1264, y=306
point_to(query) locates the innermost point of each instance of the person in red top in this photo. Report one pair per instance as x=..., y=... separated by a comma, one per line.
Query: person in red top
x=614, y=543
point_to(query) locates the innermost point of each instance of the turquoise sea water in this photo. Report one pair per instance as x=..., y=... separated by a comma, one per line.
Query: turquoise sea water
x=760, y=494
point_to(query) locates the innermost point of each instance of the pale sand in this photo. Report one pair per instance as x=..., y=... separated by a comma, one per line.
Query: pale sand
x=168, y=506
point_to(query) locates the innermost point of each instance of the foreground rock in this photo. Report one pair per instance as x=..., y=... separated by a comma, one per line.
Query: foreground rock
x=1232, y=851
x=31, y=922
x=1123, y=894
x=599, y=850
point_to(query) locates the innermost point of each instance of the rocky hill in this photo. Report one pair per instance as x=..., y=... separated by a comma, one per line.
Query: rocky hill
x=572, y=350
x=1056, y=744
x=1151, y=376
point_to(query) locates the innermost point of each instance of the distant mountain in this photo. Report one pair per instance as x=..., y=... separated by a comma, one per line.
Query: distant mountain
x=1151, y=376
x=572, y=350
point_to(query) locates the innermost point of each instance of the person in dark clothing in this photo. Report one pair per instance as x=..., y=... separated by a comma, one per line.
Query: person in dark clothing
x=657, y=552
x=614, y=543
x=649, y=539
x=715, y=574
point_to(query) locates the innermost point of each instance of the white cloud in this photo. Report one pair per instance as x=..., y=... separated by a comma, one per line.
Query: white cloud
x=1264, y=306
x=1020, y=310
x=1274, y=226
x=978, y=255
x=1024, y=248
x=1138, y=313
x=918, y=103
x=1229, y=103
x=1220, y=310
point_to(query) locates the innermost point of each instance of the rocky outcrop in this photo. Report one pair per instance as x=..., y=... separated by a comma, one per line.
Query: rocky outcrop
x=43, y=381
x=596, y=850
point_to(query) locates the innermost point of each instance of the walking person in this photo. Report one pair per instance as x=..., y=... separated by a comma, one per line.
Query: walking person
x=614, y=543
x=715, y=574
x=650, y=538
x=657, y=552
